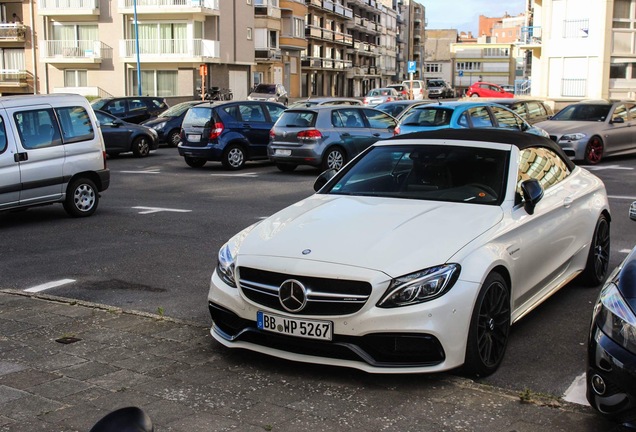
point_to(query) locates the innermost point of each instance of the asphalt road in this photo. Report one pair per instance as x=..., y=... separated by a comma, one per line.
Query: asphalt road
x=152, y=246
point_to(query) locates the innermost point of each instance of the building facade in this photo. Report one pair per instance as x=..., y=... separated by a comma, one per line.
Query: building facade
x=482, y=61
x=438, y=57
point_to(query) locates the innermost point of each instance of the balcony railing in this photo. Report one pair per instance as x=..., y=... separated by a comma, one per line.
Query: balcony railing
x=267, y=8
x=68, y=7
x=170, y=49
x=267, y=53
x=13, y=77
x=531, y=35
x=169, y=6
x=325, y=63
x=68, y=50
x=573, y=87
x=12, y=32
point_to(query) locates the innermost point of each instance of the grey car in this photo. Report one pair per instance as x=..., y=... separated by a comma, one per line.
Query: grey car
x=381, y=95
x=325, y=101
x=269, y=93
x=326, y=136
x=591, y=130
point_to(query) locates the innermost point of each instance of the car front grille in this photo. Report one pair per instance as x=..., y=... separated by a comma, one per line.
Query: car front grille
x=324, y=296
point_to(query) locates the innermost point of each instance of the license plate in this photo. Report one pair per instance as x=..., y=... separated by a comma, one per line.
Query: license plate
x=279, y=152
x=311, y=329
x=194, y=138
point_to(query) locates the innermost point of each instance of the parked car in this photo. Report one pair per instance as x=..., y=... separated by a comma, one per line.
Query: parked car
x=417, y=256
x=325, y=101
x=531, y=110
x=402, y=89
x=590, y=130
x=508, y=88
x=122, y=137
x=168, y=123
x=381, y=95
x=611, y=349
x=398, y=108
x=326, y=136
x=133, y=109
x=417, y=89
x=51, y=151
x=230, y=132
x=269, y=93
x=463, y=114
x=438, y=88
x=489, y=90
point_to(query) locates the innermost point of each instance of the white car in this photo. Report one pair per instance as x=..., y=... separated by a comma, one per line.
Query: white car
x=416, y=256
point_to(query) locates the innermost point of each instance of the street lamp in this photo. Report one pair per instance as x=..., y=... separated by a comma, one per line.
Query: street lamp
x=137, y=48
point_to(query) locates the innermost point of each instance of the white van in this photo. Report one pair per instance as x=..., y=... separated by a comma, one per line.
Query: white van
x=51, y=151
x=417, y=87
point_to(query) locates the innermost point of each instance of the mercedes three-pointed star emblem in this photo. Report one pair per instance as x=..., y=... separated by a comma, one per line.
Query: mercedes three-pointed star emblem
x=292, y=295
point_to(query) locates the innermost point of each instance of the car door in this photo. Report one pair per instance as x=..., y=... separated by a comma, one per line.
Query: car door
x=116, y=134
x=10, y=184
x=620, y=131
x=137, y=111
x=255, y=127
x=40, y=152
x=380, y=124
x=355, y=135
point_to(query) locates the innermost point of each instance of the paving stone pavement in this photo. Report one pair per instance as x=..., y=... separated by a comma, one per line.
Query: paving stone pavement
x=186, y=381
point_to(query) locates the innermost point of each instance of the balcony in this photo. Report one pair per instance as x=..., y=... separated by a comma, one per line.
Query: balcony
x=170, y=50
x=266, y=8
x=14, y=78
x=170, y=7
x=13, y=32
x=267, y=54
x=71, y=8
x=337, y=9
x=342, y=38
x=325, y=63
x=71, y=51
x=530, y=37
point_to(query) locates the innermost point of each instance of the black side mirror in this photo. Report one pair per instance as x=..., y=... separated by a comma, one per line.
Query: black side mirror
x=617, y=120
x=324, y=178
x=532, y=192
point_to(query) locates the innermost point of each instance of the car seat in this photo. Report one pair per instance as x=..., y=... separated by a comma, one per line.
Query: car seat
x=352, y=122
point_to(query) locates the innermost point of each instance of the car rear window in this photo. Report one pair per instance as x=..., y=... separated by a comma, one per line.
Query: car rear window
x=297, y=119
x=198, y=116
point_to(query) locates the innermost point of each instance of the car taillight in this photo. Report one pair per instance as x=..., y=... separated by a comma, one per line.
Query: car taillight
x=396, y=131
x=216, y=131
x=365, y=101
x=389, y=99
x=311, y=134
x=272, y=135
x=105, y=157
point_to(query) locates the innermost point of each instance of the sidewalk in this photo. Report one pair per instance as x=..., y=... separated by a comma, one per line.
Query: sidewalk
x=185, y=381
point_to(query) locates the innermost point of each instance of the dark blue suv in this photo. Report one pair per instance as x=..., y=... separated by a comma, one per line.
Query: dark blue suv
x=230, y=132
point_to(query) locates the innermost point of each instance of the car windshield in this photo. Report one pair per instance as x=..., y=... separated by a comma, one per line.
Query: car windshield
x=177, y=110
x=428, y=116
x=265, y=88
x=296, y=119
x=448, y=173
x=436, y=83
x=583, y=112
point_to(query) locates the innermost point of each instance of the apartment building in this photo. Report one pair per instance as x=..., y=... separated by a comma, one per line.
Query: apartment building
x=582, y=49
x=18, y=58
x=482, y=61
x=437, y=52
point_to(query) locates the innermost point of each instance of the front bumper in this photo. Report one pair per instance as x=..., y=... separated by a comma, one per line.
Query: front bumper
x=617, y=368
x=575, y=150
x=428, y=337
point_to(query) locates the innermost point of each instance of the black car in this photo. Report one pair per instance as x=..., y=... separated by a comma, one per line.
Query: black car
x=133, y=109
x=531, y=110
x=121, y=137
x=611, y=353
x=230, y=132
x=168, y=123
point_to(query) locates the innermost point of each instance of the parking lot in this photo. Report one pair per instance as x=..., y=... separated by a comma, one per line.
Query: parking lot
x=152, y=246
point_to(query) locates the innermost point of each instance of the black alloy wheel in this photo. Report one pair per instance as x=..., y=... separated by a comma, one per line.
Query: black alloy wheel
x=597, y=263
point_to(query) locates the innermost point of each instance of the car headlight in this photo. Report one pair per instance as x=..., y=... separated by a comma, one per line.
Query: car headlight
x=615, y=318
x=420, y=286
x=573, y=137
x=226, y=260
x=272, y=99
x=159, y=126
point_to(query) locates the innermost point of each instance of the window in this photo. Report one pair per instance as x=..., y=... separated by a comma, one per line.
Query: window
x=620, y=112
x=155, y=83
x=541, y=164
x=37, y=128
x=506, y=119
x=469, y=66
x=73, y=40
x=480, y=117
x=624, y=14
x=75, y=78
x=433, y=67
x=3, y=136
x=535, y=109
x=378, y=120
x=274, y=112
x=76, y=124
x=618, y=70
x=576, y=28
x=161, y=38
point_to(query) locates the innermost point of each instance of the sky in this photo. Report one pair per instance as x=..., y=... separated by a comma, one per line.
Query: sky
x=463, y=15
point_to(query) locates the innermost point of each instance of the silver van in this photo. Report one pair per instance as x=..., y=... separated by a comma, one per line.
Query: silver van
x=51, y=151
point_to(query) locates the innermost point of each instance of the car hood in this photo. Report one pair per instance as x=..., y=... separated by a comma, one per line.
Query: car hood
x=395, y=236
x=567, y=126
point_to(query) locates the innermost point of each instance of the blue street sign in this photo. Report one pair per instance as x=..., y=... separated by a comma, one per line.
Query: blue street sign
x=411, y=67
x=460, y=73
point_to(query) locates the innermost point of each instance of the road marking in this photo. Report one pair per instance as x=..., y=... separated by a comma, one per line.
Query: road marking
x=236, y=175
x=576, y=392
x=141, y=172
x=604, y=167
x=624, y=251
x=622, y=197
x=49, y=285
x=149, y=210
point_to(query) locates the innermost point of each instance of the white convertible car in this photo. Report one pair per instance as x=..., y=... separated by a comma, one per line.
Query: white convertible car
x=415, y=257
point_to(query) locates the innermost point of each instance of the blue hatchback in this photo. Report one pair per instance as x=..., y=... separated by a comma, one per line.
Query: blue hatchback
x=462, y=115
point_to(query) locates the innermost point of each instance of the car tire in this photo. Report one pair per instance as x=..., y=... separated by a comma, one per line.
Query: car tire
x=233, y=157
x=194, y=162
x=489, y=327
x=597, y=262
x=286, y=167
x=593, y=150
x=174, y=138
x=474, y=95
x=334, y=157
x=141, y=146
x=82, y=198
